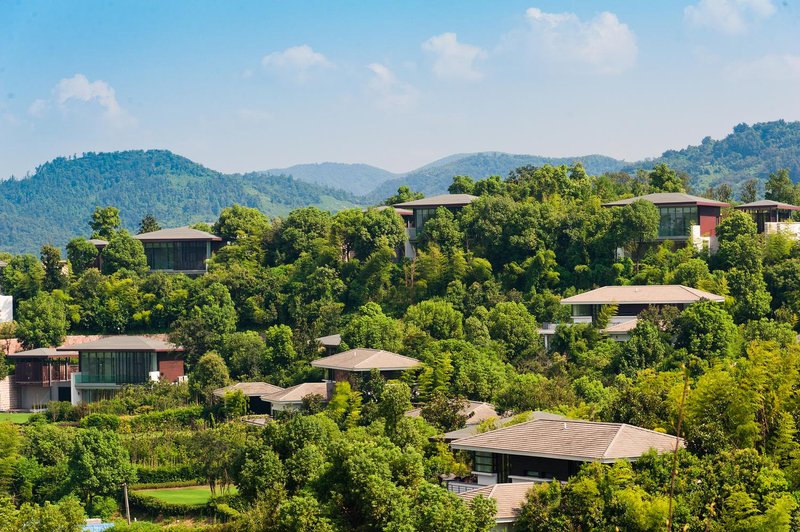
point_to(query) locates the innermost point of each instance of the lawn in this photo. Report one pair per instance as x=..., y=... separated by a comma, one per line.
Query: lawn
x=192, y=495
x=14, y=417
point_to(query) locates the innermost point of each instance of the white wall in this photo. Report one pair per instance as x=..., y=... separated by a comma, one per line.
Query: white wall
x=6, y=308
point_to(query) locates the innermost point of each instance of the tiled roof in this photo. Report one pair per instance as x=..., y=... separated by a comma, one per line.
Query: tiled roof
x=472, y=430
x=98, y=242
x=509, y=497
x=621, y=328
x=43, y=352
x=661, y=294
x=474, y=410
x=295, y=394
x=123, y=343
x=442, y=200
x=332, y=340
x=363, y=359
x=669, y=198
x=768, y=204
x=177, y=233
x=570, y=440
x=254, y=389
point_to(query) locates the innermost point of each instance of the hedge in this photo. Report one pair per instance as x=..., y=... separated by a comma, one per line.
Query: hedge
x=154, y=505
x=173, y=417
x=160, y=485
x=150, y=475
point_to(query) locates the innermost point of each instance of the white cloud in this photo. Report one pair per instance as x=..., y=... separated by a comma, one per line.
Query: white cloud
x=784, y=67
x=297, y=61
x=78, y=88
x=728, y=16
x=452, y=59
x=603, y=42
x=390, y=93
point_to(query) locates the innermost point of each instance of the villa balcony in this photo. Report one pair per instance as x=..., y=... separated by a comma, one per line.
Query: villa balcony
x=792, y=229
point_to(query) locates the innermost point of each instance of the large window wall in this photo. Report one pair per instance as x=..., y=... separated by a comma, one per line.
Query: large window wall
x=177, y=256
x=676, y=222
x=127, y=367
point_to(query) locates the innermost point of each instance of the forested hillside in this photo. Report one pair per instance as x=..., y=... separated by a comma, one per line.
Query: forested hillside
x=749, y=152
x=356, y=178
x=53, y=204
x=724, y=375
x=434, y=178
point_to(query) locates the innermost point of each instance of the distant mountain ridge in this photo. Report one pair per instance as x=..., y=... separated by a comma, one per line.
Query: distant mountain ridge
x=356, y=178
x=55, y=203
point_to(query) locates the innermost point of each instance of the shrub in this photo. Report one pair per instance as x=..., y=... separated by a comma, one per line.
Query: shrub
x=103, y=507
x=185, y=417
x=101, y=421
x=160, y=475
x=62, y=411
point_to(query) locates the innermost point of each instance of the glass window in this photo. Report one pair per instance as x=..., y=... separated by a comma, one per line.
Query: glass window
x=676, y=221
x=483, y=462
x=176, y=256
x=127, y=367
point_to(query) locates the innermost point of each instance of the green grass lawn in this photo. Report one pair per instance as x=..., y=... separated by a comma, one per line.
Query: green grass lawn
x=14, y=417
x=193, y=495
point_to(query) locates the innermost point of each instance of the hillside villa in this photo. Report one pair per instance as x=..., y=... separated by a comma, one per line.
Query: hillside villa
x=291, y=399
x=683, y=217
x=630, y=301
x=773, y=217
x=350, y=365
x=42, y=375
x=253, y=391
x=544, y=450
x=423, y=209
x=105, y=365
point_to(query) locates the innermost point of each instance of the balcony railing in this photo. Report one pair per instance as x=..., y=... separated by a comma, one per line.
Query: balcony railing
x=82, y=378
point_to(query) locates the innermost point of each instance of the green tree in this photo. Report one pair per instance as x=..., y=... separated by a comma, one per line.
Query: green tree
x=442, y=229
x=124, y=252
x=437, y=318
x=706, y=331
x=22, y=277
x=81, y=255
x=370, y=327
x=41, y=321
x=644, y=349
x=209, y=373
x=779, y=187
x=217, y=453
x=462, y=184
x=378, y=229
x=344, y=406
x=749, y=192
x=211, y=316
x=245, y=353
x=105, y=222
x=404, y=194
x=446, y=413
x=664, y=179
x=239, y=222
x=635, y=225
x=394, y=403
x=99, y=464
x=54, y=277
x=515, y=329
x=148, y=224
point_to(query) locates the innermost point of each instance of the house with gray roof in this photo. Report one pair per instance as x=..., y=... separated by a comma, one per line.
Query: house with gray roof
x=773, y=217
x=425, y=208
x=543, y=450
x=107, y=364
x=253, y=391
x=179, y=250
x=291, y=399
x=351, y=364
x=630, y=301
x=42, y=375
x=683, y=217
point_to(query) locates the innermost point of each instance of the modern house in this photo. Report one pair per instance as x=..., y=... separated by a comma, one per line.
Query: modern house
x=509, y=499
x=543, y=450
x=472, y=429
x=423, y=209
x=683, y=217
x=291, y=399
x=349, y=365
x=773, y=217
x=179, y=250
x=253, y=391
x=105, y=365
x=632, y=300
x=42, y=375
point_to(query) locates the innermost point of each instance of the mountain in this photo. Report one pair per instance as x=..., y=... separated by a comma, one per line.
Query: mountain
x=356, y=178
x=56, y=203
x=749, y=152
x=436, y=177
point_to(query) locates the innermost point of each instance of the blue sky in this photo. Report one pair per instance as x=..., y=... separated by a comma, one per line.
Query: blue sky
x=244, y=86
